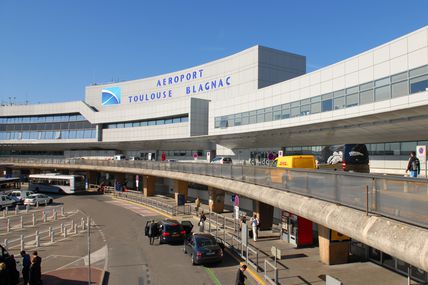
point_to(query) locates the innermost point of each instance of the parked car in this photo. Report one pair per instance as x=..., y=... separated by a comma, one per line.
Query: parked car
x=42, y=199
x=3, y=253
x=203, y=248
x=171, y=231
x=5, y=201
x=19, y=195
x=221, y=160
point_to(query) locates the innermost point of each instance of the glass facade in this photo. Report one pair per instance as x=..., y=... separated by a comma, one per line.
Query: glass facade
x=397, y=85
x=151, y=122
x=53, y=127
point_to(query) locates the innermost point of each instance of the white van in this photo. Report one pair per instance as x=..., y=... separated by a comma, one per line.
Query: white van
x=119, y=157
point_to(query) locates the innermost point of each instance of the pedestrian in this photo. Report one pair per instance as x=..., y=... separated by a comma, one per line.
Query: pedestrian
x=197, y=204
x=254, y=225
x=35, y=277
x=11, y=270
x=240, y=276
x=202, y=222
x=153, y=231
x=243, y=221
x=38, y=267
x=26, y=263
x=4, y=275
x=414, y=165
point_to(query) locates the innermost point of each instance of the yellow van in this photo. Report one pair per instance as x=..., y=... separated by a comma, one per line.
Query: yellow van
x=291, y=161
x=295, y=161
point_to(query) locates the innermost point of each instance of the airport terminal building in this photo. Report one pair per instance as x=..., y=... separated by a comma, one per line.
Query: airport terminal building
x=247, y=106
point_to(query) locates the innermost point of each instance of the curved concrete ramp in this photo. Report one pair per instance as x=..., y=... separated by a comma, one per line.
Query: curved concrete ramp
x=406, y=242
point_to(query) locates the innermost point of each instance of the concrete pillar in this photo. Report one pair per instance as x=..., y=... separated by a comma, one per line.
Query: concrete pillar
x=334, y=247
x=180, y=187
x=119, y=179
x=216, y=199
x=149, y=185
x=92, y=177
x=265, y=214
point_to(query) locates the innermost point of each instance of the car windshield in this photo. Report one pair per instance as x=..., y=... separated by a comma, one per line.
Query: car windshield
x=32, y=196
x=202, y=242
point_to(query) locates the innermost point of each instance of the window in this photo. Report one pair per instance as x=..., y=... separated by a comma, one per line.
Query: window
x=382, y=82
x=366, y=97
x=128, y=125
x=315, y=107
x=152, y=123
x=169, y=121
x=305, y=110
x=223, y=123
x=400, y=89
x=399, y=77
x=366, y=86
x=184, y=119
x=217, y=122
x=174, y=121
x=382, y=93
x=339, y=103
x=418, y=71
x=160, y=122
x=352, y=100
x=136, y=124
x=419, y=84
x=327, y=105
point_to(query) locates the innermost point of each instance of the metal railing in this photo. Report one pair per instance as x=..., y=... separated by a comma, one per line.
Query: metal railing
x=399, y=198
x=269, y=267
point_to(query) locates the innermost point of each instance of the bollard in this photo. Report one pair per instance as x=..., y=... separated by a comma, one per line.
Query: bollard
x=34, y=220
x=62, y=211
x=75, y=229
x=65, y=232
x=50, y=231
x=4, y=215
x=52, y=237
x=37, y=241
x=22, y=242
x=22, y=222
x=27, y=208
x=54, y=215
x=16, y=210
x=5, y=243
x=44, y=217
x=62, y=228
x=72, y=224
x=83, y=224
x=8, y=225
x=7, y=210
x=37, y=204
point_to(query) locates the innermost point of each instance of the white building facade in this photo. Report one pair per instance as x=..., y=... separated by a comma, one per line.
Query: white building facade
x=245, y=105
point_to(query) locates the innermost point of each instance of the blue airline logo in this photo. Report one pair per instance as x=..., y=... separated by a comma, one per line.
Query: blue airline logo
x=111, y=96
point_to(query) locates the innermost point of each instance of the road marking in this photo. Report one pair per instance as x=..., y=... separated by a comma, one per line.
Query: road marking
x=252, y=273
x=145, y=206
x=134, y=208
x=211, y=274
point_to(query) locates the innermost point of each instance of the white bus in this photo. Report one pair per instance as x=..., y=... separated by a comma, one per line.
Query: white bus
x=56, y=183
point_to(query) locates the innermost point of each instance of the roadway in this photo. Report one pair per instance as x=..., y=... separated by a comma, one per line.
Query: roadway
x=131, y=260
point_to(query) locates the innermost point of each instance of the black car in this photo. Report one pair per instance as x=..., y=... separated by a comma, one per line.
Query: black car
x=171, y=231
x=203, y=248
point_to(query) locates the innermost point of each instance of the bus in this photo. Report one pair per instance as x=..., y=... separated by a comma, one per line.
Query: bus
x=56, y=183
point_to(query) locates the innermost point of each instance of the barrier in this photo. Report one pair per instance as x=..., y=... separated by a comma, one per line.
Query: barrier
x=272, y=280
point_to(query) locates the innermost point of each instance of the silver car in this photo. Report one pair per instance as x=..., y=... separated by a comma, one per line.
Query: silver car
x=41, y=199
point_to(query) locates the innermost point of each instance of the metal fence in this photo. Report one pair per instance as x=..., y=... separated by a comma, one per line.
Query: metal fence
x=400, y=198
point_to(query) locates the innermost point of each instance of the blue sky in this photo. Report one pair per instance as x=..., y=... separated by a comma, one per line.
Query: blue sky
x=51, y=49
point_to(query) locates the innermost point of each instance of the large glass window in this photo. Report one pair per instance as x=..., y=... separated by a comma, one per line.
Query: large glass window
x=400, y=89
x=382, y=93
x=366, y=97
x=315, y=107
x=339, y=103
x=352, y=100
x=419, y=84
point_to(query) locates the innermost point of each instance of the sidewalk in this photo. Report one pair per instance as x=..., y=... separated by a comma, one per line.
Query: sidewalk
x=73, y=276
x=300, y=265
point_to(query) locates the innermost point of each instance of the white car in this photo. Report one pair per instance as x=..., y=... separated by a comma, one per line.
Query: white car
x=42, y=199
x=19, y=195
x=6, y=202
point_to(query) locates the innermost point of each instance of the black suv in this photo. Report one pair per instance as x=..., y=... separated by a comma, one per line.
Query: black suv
x=171, y=231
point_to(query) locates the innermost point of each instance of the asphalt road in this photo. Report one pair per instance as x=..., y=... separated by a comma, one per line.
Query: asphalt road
x=131, y=260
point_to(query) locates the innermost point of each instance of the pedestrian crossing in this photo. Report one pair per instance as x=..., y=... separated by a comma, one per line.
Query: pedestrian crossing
x=140, y=210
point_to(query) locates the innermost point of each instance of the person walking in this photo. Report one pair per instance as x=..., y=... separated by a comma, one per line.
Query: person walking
x=11, y=270
x=202, y=220
x=37, y=268
x=4, y=275
x=153, y=231
x=413, y=165
x=240, y=276
x=197, y=204
x=26, y=263
x=254, y=225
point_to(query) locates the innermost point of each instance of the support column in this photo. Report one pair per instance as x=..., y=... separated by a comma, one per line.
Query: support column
x=180, y=187
x=149, y=185
x=216, y=199
x=265, y=214
x=334, y=247
x=92, y=177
